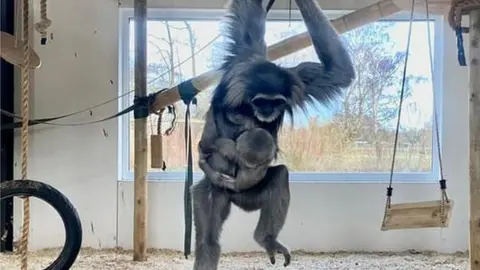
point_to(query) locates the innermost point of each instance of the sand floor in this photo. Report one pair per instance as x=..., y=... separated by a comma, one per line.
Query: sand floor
x=90, y=259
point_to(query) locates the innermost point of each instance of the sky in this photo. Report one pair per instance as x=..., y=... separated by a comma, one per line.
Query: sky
x=206, y=31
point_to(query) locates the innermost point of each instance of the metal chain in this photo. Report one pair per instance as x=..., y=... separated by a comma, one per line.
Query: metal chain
x=24, y=132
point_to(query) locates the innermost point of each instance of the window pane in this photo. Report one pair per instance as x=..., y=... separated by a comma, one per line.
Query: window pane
x=353, y=135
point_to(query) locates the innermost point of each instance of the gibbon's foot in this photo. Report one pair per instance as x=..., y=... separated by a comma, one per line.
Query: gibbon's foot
x=288, y=258
x=284, y=251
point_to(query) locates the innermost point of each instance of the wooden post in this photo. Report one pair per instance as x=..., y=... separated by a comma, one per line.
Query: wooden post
x=474, y=75
x=140, y=169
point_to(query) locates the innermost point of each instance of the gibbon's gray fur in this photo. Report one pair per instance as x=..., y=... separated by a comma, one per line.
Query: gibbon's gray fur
x=253, y=152
x=260, y=93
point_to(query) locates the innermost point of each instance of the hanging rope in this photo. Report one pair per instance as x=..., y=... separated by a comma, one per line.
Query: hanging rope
x=442, y=181
x=397, y=129
x=24, y=133
x=459, y=8
x=43, y=25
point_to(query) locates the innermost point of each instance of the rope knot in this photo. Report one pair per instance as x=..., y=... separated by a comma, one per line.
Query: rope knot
x=458, y=9
x=43, y=25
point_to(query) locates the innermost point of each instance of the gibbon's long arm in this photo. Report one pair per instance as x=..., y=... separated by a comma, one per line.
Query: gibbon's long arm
x=363, y=16
x=323, y=81
x=245, y=28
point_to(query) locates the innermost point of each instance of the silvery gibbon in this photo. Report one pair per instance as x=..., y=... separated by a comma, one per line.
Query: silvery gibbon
x=256, y=93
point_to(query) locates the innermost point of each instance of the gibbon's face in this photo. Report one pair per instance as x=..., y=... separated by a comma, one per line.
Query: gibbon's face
x=270, y=91
x=267, y=108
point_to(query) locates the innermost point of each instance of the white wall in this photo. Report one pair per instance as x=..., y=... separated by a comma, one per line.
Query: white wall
x=78, y=65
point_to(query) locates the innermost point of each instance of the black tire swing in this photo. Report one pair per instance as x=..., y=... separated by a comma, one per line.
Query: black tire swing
x=425, y=214
x=20, y=54
x=61, y=204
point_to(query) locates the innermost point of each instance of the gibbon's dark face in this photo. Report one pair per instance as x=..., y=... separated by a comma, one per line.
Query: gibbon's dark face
x=270, y=91
x=268, y=108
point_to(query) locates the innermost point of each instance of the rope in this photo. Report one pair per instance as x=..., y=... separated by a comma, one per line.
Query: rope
x=388, y=201
x=457, y=9
x=44, y=23
x=24, y=133
x=443, y=184
x=402, y=93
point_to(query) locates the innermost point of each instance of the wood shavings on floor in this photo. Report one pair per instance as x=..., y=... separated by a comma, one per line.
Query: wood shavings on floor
x=170, y=260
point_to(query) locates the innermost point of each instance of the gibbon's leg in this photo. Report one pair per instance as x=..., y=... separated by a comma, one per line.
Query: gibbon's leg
x=211, y=208
x=272, y=197
x=273, y=213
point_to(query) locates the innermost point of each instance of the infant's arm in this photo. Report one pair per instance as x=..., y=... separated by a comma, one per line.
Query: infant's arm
x=216, y=177
x=226, y=148
x=249, y=177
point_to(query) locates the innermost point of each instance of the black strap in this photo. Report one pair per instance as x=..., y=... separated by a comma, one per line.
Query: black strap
x=46, y=121
x=188, y=183
x=141, y=108
x=187, y=92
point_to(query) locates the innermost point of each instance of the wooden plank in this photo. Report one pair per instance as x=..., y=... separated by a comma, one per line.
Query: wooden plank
x=438, y=7
x=11, y=50
x=156, y=151
x=474, y=131
x=140, y=133
x=417, y=215
x=283, y=48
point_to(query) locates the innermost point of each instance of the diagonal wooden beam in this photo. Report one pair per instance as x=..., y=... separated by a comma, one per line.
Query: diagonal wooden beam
x=285, y=47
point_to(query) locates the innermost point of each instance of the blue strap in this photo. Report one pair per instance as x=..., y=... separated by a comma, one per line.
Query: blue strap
x=460, y=49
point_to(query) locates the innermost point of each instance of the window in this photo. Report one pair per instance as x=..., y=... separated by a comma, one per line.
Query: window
x=353, y=141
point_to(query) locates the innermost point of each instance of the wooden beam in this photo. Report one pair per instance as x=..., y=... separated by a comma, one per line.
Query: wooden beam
x=140, y=133
x=11, y=50
x=474, y=76
x=288, y=46
x=438, y=7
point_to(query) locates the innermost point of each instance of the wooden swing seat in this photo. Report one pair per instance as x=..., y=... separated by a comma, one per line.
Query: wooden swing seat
x=416, y=215
x=14, y=54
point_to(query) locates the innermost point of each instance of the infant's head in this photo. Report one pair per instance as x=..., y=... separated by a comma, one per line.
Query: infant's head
x=256, y=146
